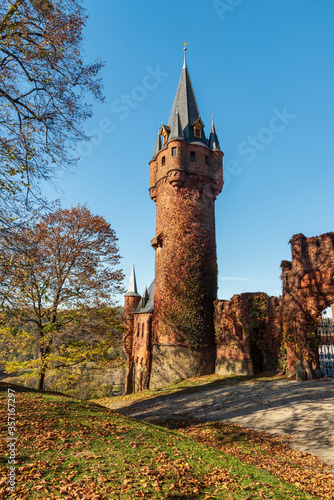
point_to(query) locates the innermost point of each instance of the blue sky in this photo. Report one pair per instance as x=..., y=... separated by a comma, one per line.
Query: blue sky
x=265, y=69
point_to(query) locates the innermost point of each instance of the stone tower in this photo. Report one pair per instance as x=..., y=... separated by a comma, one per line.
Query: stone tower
x=186, y=175
x=132, y=299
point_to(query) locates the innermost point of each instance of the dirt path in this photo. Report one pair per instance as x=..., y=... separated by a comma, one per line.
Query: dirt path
x=303, y=411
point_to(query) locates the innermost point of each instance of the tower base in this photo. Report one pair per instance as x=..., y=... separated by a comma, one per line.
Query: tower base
x=171, y=363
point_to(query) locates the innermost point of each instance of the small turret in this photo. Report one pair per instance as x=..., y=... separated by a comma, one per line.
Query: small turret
x=144, y=298
x=157, y=147
x=213, y=139
x=176, y=130
x=132, y=299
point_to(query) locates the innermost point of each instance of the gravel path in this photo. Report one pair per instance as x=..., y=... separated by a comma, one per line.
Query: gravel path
x=302, y=411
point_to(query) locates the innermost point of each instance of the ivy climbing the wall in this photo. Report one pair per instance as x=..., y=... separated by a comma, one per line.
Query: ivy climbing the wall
x=185, y=296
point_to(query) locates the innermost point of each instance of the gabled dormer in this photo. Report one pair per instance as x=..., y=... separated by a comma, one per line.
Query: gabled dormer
x=164, y=131
x=198, y=127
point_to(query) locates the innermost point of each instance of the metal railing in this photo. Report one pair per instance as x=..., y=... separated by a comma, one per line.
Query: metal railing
x=326, y=348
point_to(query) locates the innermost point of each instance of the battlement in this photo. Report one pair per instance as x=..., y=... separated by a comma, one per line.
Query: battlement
x=178, y=159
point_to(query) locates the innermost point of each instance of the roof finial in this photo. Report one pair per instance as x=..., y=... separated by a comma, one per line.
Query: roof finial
x=185, y=50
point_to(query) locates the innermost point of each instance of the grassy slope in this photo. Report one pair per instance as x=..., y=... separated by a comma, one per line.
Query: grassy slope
x=271, y=453
x=70, y=449
x=189, y=385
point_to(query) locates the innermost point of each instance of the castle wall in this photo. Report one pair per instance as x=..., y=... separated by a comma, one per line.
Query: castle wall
x=308, y=288
x=173, y=362
x=248, y=334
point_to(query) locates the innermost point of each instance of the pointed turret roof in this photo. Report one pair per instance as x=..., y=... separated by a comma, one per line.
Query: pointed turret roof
x=186, y=103
x=132, y=284
x=213, y=139
x=185, y=121
x=157, y=147
x=176, y=129
x=149, y=303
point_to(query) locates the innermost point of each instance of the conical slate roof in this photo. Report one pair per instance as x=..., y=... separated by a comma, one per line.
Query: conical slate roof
x=176, y=129
x=132, y=284
x=213, y=139
x=149, y=303
x=185, y=102
x=183, y=118
x=157, y=147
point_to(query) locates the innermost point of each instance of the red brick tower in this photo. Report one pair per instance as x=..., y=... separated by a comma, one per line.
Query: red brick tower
x=186, y=175
x=132, y=299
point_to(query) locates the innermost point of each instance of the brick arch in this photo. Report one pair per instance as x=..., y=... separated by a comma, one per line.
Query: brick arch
x=308, y=288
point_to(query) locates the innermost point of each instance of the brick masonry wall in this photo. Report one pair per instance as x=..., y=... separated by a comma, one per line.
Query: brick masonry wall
x=248, y=334
x=174, y=180
x=142, y=351
x=308, y=288
x=130, y=303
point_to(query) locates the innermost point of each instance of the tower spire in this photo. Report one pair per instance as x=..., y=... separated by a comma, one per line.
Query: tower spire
x=213, y=139
x=185, y=102
x=133, y=283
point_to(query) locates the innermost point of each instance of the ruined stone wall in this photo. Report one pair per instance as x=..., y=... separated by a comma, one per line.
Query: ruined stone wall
x=308, y=288
x=248, y=334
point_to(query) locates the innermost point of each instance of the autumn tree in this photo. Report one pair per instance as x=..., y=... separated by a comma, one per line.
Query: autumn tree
x=44, y=86
x=58, y=280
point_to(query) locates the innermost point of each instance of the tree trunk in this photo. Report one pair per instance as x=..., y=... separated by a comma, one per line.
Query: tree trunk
x=40, y=385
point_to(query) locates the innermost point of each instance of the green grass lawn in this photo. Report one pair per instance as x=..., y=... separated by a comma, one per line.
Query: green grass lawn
x=72, y=449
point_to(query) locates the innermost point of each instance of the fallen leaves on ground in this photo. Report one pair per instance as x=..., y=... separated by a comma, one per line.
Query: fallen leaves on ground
x=264, y=450
x=68, y=449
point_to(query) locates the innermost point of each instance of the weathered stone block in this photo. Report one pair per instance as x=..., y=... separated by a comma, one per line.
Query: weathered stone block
x=170, y=363
x=308, y=369
x=228, y=366
x=301, y=375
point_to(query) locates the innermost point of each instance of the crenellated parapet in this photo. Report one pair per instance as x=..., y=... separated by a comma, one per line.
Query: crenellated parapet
x=187, y=165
